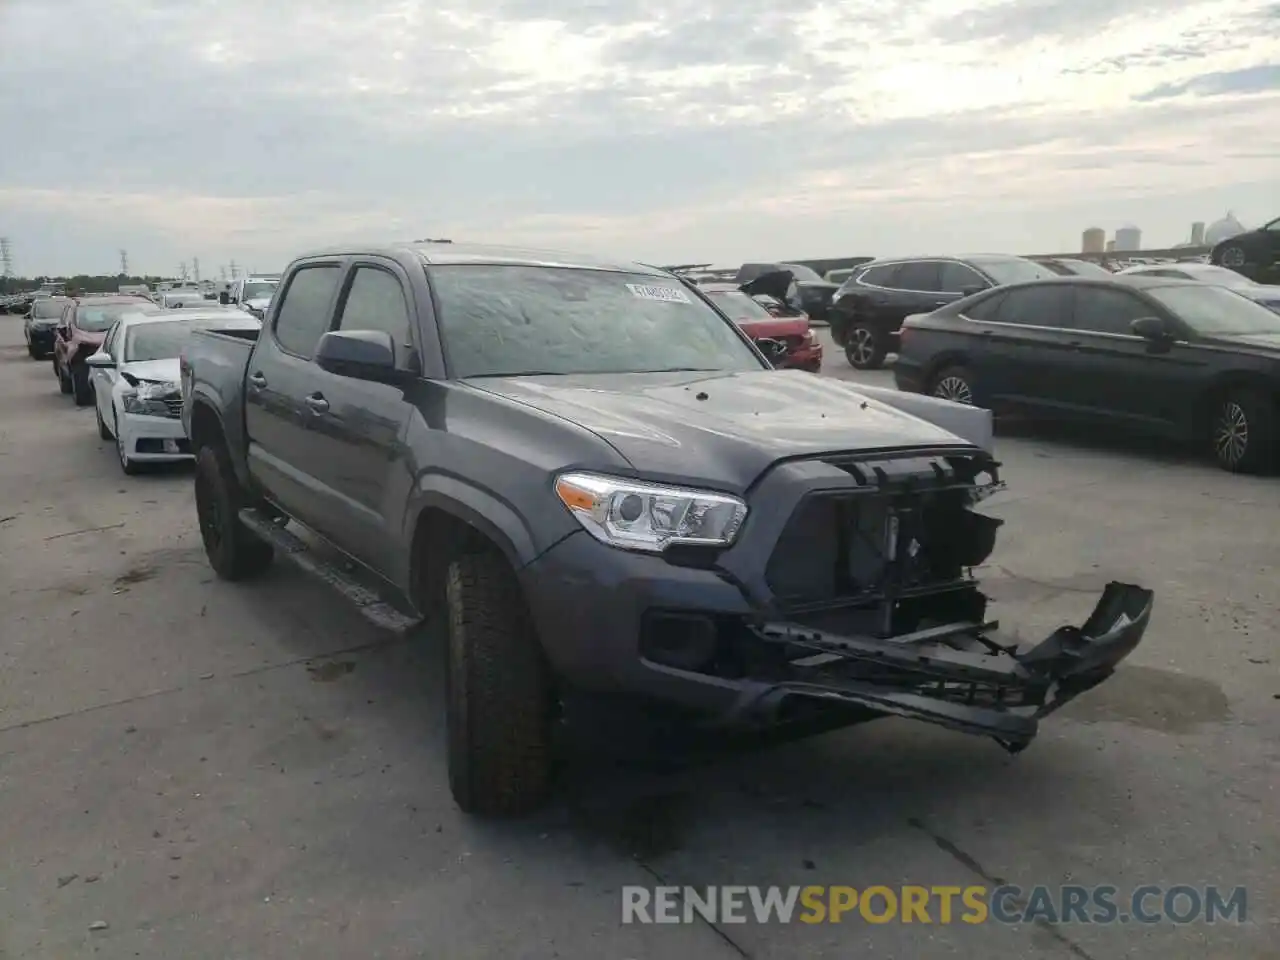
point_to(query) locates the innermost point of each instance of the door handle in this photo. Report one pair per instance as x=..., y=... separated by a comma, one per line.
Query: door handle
x=941, y=303
x=317, y=403
x=257, y=380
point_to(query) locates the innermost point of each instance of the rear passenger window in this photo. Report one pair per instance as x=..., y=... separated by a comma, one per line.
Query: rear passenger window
x=984, y=309
x=375, y=301
x=881, y=276
x=921, y=275
x=1035, y=306
x=303, y=316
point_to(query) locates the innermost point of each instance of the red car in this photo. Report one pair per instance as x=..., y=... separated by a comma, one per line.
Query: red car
x=81, y=332
x=804, y=350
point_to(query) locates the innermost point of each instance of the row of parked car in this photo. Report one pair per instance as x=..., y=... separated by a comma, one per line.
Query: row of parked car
x=120, y=355
x=1188, y=350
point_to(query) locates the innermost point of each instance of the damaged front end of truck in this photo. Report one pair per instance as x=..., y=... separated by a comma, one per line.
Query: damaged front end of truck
x=870, y=605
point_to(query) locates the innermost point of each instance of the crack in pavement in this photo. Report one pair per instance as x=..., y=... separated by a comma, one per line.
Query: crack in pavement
x=970, y=863
x=152, y=694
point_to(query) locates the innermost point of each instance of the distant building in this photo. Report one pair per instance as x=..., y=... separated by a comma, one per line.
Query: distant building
x=1223, y=229
x=1111, y=246
x=1093, y=240
x=1128, y=238
x=1197, y=234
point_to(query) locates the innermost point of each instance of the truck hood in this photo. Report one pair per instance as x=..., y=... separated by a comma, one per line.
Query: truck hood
x=722, y=429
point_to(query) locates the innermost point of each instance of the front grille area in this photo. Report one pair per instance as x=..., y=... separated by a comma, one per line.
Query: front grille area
x=907, y=532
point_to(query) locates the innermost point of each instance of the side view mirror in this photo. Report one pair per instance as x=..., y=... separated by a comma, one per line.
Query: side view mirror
x=101, y=360
x=361, y=355
x=773, y=350
x=1151, y=328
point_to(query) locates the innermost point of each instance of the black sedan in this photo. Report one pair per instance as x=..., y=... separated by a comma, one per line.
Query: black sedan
x=1186, y=360
x=39, y=324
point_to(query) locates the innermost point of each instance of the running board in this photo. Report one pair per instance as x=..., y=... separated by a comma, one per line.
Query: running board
x=367, y=600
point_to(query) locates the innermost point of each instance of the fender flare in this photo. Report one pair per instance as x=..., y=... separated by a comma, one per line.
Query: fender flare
x=477, y=508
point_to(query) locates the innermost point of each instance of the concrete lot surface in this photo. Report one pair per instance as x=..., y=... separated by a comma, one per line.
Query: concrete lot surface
x=218, y=771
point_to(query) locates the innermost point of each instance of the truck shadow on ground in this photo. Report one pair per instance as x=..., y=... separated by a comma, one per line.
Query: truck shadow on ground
x=648, y=788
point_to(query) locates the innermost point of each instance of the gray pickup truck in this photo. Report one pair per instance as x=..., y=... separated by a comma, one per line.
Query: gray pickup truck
x=600, y=484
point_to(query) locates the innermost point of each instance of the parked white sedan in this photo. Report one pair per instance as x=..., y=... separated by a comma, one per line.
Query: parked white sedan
x=135, y=381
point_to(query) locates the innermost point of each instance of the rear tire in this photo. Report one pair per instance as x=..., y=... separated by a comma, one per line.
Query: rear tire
x=865, y=347
x=954, y=383
x=1242, y=427
x=233, y=551
x=32, y=352
x=1233, y=256
x=498, y=691
x=81, y=391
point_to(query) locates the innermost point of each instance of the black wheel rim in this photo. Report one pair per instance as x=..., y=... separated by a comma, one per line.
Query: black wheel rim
x=1231, y=434
x=1233, y=257
x=861, y=348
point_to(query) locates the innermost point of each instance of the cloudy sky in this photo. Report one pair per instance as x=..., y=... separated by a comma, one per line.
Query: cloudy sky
x=665, y=130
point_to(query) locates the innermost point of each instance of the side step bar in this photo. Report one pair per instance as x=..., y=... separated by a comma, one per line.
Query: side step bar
x=374, y=609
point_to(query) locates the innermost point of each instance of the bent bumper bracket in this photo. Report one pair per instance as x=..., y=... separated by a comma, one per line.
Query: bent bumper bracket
x=991, y=689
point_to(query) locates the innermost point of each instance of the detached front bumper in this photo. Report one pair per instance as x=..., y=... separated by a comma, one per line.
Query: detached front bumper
x=624, y=623
x=955, y=676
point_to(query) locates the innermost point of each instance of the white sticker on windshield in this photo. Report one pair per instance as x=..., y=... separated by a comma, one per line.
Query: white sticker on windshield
x=666, y=294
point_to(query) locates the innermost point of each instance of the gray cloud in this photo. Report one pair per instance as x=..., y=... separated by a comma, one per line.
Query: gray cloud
x=1023, y=21
x=316, y=116
x=1264, y=78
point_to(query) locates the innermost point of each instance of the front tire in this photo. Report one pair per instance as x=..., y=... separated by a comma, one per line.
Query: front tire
x=865, y=347
x=64, y=382
x=233, y=552
x=103, y=432
x=1242, y=432
x=954, y=383
x=498, y=691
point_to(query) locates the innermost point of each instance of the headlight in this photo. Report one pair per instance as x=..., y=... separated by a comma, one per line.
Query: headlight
x=646, y=516
x=145, y=399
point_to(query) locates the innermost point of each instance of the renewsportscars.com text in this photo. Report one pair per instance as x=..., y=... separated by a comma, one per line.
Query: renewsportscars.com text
x=1179, y=904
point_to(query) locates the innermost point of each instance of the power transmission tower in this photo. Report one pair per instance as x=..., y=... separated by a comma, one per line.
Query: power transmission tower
x=124, y=262
x=182, y=271
x=235, y=271
x=6, y=257
x=195, y=268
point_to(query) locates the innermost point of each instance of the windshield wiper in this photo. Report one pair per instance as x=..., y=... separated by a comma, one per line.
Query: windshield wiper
x=679, y=370
x=519, y=373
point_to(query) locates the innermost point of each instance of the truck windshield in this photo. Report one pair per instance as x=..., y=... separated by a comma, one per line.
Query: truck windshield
x=738, y=305
x=156, y=341
x=507, y=320
x=99, y=318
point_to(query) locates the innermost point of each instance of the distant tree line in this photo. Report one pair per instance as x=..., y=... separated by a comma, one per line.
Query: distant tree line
x=81, y=283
